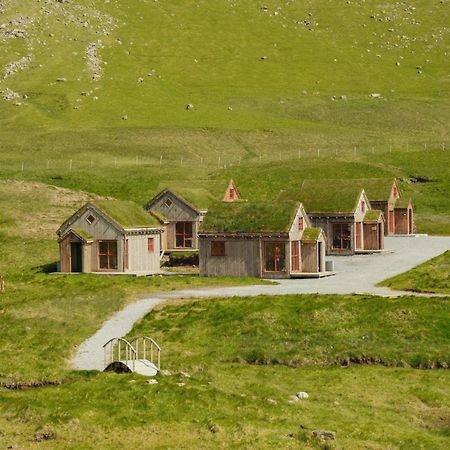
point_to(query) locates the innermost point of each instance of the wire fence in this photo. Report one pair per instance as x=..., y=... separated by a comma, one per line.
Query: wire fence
x=212, y=159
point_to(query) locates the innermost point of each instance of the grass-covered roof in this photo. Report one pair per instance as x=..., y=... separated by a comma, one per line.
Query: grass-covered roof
x=127, y=214
x=82, y=233
x=311, y=234
x=375, y=188
x=337, y=196
x=372, y=215
x=403, y=202
x=197, y=193
x=250, y=217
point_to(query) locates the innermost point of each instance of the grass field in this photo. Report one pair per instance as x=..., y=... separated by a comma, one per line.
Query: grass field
x=246, y=358
x=431, y=276
x=281, y=92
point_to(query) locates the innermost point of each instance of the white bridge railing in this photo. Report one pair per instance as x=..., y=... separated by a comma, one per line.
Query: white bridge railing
x=119, y=350
x=148, y=349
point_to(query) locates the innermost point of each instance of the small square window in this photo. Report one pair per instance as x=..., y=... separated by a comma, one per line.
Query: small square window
x=300, y=223
x=218, y=248
x=90, y=219
x=168, y=203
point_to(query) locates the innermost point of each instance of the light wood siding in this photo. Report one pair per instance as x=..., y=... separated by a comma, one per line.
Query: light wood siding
x=371, y=237
x=403, y=221
x=241, y=258
x=309, y=257
x=139, y=258
x=178, y=211
x=64, y=254
x=87, y=257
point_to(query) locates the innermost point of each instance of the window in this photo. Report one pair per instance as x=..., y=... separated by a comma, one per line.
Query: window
x=217, y=248
x=126, y=254
x=295, y=256
x=150, y=245
x=90, y=219
x=168, y=203
x=183, y=235
x=363, y=206
x=107, y=255
x=231, y=194
x=275, y=256
x=300, y=223
x=341, y=236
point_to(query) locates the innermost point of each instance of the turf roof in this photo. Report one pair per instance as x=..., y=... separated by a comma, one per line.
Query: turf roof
x=84, y=234
x=199, y=197
x=375, y=188
x=334, y=196
x=372, y=215
x=250, y=217
x=311, y=234
x=402, y=202
x=127, y=214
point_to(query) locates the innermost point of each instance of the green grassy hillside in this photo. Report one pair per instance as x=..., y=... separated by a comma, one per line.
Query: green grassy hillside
x=281, y=91
x=431, y=276
x=241, y=64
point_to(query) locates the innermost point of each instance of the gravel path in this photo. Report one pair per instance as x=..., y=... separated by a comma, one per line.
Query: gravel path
x=354, y=274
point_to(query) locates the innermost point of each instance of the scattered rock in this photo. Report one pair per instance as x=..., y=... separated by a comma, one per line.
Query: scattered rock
x=185, y=374
x=15, y=66
x=213, y=428
x=152, y=381
x=189, y=106
x=165, y=373
x=302, y=395
x=140, y=80
x=44, y=435
x=181, y=384
x=272, y=401
x=293, y=399
x=125, y=117
x=61, y=80
x=323, y=434
x=94, y=62
x=375, y=95
x=263, y=57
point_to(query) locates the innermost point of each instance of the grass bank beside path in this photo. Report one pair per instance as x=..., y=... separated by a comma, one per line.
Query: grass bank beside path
x=232, y=369
x=432, y=276
x=302, y=330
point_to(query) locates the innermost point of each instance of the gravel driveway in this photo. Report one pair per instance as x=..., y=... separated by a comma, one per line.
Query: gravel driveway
x=354, y=274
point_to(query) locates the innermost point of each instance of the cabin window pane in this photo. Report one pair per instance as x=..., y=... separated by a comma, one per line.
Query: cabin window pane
x=275, y=256
x=150, y=245
x=300, y=223
x=183, y=235
x=90, y=219
x=341, y=236
x=218, y=248
x=168, y=203
x=107, y=255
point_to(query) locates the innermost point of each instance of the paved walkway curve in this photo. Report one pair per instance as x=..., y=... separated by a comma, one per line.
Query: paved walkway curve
x=354, y=274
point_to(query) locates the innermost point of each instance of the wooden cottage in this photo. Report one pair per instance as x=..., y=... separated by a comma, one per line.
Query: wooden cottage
x=385, y=194
x=259, y=239
x=110, y=236
x=340, y=208
x=179, y=218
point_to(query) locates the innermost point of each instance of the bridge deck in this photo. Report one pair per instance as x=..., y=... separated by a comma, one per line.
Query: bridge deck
x=142, y=367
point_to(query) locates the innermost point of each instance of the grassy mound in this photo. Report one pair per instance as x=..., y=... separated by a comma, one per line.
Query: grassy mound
x=431, y=276
x=304, y=330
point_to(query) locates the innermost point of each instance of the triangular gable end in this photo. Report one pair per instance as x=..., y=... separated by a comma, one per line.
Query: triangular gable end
x=232, y=193
x=363, y=203
x=150, y=205
x=87, y=207
x=300, y=212
x=395, y=191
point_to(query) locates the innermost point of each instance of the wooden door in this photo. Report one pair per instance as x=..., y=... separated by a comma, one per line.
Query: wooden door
x=358, y=235
x=295, y=256
x=76, y=259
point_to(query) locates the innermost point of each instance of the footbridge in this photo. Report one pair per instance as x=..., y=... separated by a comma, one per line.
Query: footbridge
x=141, y=355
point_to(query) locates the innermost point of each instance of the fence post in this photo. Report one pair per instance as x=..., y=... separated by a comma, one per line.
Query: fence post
x=2, y=284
